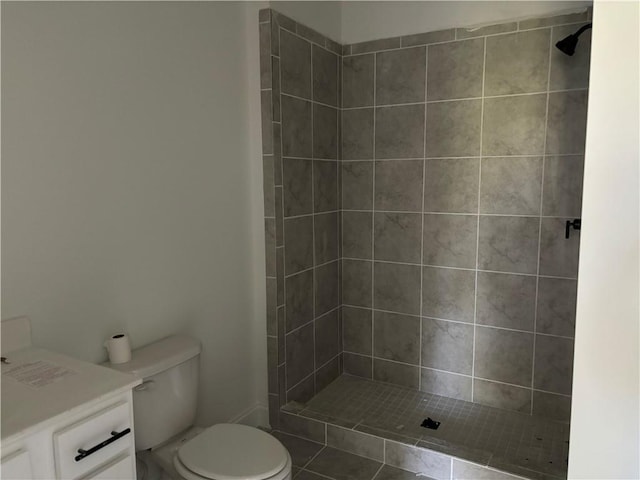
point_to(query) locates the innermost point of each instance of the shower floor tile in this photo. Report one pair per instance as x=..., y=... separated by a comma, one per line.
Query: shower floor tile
x=509, y=441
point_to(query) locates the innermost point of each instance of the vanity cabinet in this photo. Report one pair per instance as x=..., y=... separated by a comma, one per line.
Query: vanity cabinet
x=64, y=418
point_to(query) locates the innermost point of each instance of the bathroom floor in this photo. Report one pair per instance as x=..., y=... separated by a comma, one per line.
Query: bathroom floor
x=314, y=461
x=502, y=439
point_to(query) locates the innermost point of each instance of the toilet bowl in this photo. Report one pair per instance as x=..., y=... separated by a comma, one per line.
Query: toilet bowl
x=164, y=412
x=233, y=452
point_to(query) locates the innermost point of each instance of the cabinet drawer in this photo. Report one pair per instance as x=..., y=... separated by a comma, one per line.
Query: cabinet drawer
x=96, y=437
x=16, y=466
x=122, y=468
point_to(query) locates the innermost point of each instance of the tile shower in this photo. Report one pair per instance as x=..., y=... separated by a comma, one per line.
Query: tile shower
x=416, y=194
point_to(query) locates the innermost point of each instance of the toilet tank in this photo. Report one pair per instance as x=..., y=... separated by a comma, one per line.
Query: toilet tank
x=165, y=403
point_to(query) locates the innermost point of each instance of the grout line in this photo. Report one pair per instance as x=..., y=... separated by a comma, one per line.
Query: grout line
x=316, y=213
x=468, y=157
x=445, y=100
x=310, y=100
x=424, y=181
x=544, y=149
x=289, y=275
x=477, y=266
x=373, y=207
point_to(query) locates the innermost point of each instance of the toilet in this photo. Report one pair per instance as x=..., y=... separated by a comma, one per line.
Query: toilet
x=164, y=408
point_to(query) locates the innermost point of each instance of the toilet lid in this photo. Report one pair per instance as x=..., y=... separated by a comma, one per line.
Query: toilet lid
x=229, y=452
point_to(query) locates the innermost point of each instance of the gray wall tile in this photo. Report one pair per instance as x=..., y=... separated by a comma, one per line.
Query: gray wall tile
x=567, y=122
x=429, y=37
x=504, y=355
x=299, y=299
x=267, y=127
x=448, y=293
x=397, y=287
x=265, y=56
x=558, y=255
x=554, y=364
x=554, y=20
x=397, y=237
x=467, y=471
x=357, y=185
x=508, y=244
x=374, y=45
x=327, y=373
x=357, y=81
x=446, y=384
x=357, y=231
x=400, y=76
x=325, y=76
x=450, y=240
x=447, y=345
x=398, y=185
x=569, y=72
x=514, y=125
x=499, y=395
x=357, y=134
x=299, y=354
x=303, y=391
x=563, y=185
x=517, y=63
x=325, y=186
x=268, y=186
x=295, y=65
x=507, y=301
x=488, y=30
x=298, y=236
x=297, y=189
x=355, y=442
x=358, y=365
x=451, y=185
x=418, y=460
x=511, y=185
x=326, y=237
x=325, y=132
x=556, y=407
x=455, y=70
x=357, y=333
x=396, y=337
x=327, y=292
x=396, y=373
x=296, y=127
x=303, y=427
x=556, y=306
x=400, y=132
x=356, y=282
x=453, y=128
x=327, y=337
x=270, y=246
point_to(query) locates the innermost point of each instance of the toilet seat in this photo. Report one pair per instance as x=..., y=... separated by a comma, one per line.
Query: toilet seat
x=233, y=452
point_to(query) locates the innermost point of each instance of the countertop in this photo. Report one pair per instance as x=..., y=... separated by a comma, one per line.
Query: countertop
x=39, y=385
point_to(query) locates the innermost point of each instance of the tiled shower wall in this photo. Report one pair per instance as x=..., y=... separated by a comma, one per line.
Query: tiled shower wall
x=462, y=160
x=300, y=107
x=438, y=260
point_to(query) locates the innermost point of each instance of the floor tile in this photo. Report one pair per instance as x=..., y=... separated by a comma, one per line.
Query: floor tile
x=343, y=466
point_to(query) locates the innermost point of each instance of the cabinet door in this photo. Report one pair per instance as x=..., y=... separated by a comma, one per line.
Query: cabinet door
x=122, y=468
x=16, y=466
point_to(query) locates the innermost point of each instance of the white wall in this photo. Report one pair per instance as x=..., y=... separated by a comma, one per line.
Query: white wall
x=131, y=183
x=369, y=20
x=606, y=403
x=323, y=17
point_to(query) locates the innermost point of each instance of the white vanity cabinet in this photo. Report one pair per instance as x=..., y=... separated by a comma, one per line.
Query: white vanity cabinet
x=64, y=418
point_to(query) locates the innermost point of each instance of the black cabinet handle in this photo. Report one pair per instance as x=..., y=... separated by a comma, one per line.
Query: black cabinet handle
x=114, y=436
x=576, y=224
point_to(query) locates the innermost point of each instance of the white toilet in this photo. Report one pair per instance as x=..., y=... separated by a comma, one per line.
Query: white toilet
x=164, y=408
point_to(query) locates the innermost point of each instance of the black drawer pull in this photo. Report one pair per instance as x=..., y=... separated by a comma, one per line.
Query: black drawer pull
x=114, y=436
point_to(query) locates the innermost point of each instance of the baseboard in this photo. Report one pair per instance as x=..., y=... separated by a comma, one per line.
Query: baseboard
x=256, y=416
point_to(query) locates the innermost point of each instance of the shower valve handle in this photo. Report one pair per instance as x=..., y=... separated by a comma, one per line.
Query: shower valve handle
x=576, y=224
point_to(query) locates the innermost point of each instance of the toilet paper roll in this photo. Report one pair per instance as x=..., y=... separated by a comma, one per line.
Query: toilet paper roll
x=119, y=348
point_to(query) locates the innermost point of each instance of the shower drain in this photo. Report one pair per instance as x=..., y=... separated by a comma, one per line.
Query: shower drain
x=430, y=423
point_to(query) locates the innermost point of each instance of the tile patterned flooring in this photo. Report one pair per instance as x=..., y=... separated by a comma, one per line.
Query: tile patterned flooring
x=314, y=461
x=508, y=441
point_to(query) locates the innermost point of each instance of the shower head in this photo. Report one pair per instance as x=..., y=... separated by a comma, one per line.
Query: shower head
x=568, y=44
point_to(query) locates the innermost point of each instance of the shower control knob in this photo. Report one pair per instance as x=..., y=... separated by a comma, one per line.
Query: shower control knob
x=576, y=224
